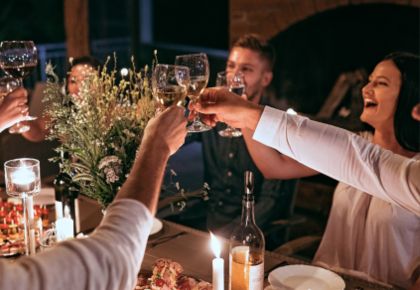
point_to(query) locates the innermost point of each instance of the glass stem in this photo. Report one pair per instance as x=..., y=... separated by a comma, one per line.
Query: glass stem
x=20, y=82
x=28, y=219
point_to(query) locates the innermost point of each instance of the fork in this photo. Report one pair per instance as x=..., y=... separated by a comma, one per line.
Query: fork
x=164, y=239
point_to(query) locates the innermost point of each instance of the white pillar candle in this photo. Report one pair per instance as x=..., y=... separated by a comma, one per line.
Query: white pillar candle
x=23, y=180
x=218, y=265
x=218, y=274
x=64, y=229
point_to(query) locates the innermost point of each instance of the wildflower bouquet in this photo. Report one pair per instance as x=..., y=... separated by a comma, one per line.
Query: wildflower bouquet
x=101, y=129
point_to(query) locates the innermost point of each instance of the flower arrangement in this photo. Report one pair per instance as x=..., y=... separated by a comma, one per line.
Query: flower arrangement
x=101, y=129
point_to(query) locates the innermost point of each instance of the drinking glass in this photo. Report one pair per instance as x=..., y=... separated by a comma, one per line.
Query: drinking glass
x=199, y=77
x=18, y=59
x=170, y=84
x=23, y=180
x=236, y=85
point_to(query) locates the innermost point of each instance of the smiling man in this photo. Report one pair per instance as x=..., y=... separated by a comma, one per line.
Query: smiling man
x=226, y=159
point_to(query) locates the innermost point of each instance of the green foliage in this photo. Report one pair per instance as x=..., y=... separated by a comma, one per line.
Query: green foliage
x=100, y=128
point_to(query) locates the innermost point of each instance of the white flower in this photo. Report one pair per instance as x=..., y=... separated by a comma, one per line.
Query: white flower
x=111, y=166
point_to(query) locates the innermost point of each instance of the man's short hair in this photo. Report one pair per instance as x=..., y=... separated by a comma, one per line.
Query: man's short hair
x=255, y=43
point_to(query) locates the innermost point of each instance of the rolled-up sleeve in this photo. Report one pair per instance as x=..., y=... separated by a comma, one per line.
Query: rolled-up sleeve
x=109, y=259
x=344, y=156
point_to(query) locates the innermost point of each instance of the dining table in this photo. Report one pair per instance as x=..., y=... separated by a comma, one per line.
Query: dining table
x=191, y=249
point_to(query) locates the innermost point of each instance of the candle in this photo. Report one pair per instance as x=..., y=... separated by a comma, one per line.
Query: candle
x=65, y=226
x=217, y=265
x=23, y=180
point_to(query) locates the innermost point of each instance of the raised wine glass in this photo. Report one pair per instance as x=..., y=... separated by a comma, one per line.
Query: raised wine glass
x=199, y=77
x=236, y=85
x=18, y=59
x=23, y=180
x=170, y=84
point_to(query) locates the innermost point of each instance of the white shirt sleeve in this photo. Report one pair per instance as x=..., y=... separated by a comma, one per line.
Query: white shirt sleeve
x=109, y=259
x=344, y=156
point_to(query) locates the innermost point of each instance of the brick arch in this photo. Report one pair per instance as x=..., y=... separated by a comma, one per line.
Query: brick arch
x=269, y=17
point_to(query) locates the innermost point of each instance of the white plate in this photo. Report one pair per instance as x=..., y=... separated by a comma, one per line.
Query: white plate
x=304, y=277
x=156, y=227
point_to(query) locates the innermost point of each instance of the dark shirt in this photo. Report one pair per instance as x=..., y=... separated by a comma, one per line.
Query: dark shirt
x=225, y=162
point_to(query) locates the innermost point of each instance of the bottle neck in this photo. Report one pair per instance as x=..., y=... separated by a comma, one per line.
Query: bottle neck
x=248, y=210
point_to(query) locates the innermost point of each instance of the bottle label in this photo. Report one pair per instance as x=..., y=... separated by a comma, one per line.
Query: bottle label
x=256, y=276
x=245, y=272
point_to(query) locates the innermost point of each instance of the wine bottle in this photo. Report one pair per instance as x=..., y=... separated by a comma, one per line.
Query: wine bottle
x=246, y=246
x=61, y=186
x=66, y=193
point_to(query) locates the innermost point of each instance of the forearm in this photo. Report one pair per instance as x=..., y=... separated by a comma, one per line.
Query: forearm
x=344, y=156
x=109, y=259
x=144, y=181
x=272, y=163
x=37, y=130
x=251, y=115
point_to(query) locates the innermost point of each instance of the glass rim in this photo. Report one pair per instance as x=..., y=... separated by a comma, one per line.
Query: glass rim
x=35, y=163
x=172, y=66
x=17, y=41
x=192, y=54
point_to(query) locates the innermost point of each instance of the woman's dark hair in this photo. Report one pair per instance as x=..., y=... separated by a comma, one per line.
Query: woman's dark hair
x=407, y=130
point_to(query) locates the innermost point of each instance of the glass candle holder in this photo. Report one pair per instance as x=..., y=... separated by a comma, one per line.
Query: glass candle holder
x=23, y=180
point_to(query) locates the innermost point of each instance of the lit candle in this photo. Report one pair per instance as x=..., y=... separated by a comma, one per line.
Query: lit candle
x=218, y=265
x=23, y=180
x=65, y=226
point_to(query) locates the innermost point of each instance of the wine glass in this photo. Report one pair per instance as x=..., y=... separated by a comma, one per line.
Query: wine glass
x=23, y=180
x=236, y=85
x=170, y=84
x=18, y=59
x=199, y=77
x=7, y=85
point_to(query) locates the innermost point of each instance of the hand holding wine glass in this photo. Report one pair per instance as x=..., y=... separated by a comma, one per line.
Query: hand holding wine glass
x=13, y=106
x=170, y=84
x=18, y=59
x=199, y=77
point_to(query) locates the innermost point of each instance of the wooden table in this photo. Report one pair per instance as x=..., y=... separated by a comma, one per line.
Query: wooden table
x=191, y=249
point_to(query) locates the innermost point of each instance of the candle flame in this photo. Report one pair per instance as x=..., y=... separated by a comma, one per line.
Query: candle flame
x=215, y=245
x=23, y=176
x=290, y=111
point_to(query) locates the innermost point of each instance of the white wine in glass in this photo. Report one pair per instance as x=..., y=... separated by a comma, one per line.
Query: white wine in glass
x=199, y=74
x=170, y=84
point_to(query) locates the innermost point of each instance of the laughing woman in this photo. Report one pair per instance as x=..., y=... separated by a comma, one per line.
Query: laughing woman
x=374, y=223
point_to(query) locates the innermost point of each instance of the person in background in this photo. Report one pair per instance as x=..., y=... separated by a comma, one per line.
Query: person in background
x=415, y=113
x=226, y=159
x=374, y=223
x=96, y=262
x=79, y=69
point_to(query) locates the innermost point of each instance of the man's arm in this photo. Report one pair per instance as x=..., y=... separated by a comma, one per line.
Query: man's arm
x=110, y=258
x=272, y=163
x=162, y=138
